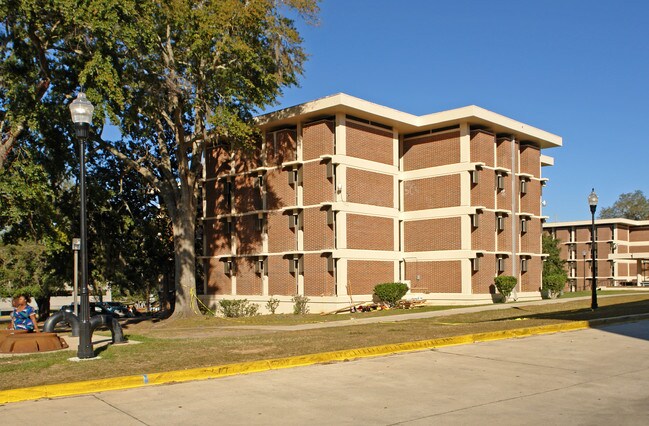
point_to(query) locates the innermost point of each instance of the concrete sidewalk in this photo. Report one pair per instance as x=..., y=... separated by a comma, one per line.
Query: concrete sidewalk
x=126, y=382
x=588, y=377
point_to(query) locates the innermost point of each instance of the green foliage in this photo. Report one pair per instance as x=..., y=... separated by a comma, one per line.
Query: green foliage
x=631, y=205
x=555, y=283
x=505, y=284
x=238, y=308
x=300, y=304
x=272, y=305
x=554, y=273
x=390, y=293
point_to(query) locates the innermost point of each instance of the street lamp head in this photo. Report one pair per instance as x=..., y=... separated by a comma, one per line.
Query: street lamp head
x=592, y=201
x=81, y=110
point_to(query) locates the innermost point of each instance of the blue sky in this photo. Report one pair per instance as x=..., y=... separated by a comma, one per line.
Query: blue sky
x=575, y=68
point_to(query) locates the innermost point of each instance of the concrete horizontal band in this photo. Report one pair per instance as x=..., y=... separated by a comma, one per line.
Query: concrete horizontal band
x=203, y=373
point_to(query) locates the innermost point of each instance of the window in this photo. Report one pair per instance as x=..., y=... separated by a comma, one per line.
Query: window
x=523, y=225
x=330, y=170
x=475, y=264
x=475, y=220
x=500, y=264
x=500, y=222
x=295, y=265
x=294, y=177
x=259, y=182
x=523, y=186
x=500, y=182
x=330, y=264
x=228, y=267
x=260, y=266
x=475, y=177
x=260, y=223
x=227, y=193
x=524, y=264
x=330, y=217
x=228, y=227
x=294, y=220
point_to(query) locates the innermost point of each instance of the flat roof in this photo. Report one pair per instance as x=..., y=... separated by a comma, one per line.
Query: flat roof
x=614, y=221
x=408, y=123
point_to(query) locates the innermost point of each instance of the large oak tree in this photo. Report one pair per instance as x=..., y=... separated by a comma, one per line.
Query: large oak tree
x=173, y=75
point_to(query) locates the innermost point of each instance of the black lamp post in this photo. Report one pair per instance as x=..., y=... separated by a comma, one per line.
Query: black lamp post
x=583, y=254
x=81, y=110
x=592, y=201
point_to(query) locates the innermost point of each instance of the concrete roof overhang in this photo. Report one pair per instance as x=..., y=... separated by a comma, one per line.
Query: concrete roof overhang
x=405, y=123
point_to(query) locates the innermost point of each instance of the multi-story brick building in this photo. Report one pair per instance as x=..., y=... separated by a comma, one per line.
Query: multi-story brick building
x=344, y=194
x=621, y=251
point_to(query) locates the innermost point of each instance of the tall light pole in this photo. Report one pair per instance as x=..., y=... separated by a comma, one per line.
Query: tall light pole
x=81, y=110
x=592, y=201
x=583, y=254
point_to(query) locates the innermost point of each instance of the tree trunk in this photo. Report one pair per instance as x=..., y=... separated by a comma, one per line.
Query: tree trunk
x=43, y=304
x=184, y=227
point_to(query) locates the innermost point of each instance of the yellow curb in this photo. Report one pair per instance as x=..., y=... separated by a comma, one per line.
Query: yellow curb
x=128, y=382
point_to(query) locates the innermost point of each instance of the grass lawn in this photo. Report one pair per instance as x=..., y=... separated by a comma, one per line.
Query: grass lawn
x=208, y=341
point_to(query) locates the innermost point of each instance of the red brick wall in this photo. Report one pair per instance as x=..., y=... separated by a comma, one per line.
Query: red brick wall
x=639, y=234
x=505, y=236
x=216, y=161
x=435, y=277
x=317, y=280
x=431, y=151
x=482, y=193
x=605, y=233
x=622, y=269
x=369, y=143
x=482, y=147
x=364, y=275
x=317, y=234
x=370, y=232
x=504, y=197
x=431, y=193
x=482, y=279
x=530, y=160
x=433, y=234
x=531, y=240
x=215, y=201
x=317, y=139
x=316, y=187
x=623, y=234
x=248, y=236
x=217, y=281
x=369, y=188
x=582, y=234
x=531, y=280
x=281, y=238
x=246, y=160
x=248, y=281
x=216, y=239
x=504, y=153
x=531, y=200
x=246, y=196
x=282, y=148
x=563, y=235
x=278, y=191
x=483, y=237
x=280, y=281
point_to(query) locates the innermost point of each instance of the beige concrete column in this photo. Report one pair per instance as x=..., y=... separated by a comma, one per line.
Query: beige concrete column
x=341, y=277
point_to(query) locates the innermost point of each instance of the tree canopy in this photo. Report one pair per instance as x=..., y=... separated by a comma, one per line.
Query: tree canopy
x=632, y=205
x=174, y=76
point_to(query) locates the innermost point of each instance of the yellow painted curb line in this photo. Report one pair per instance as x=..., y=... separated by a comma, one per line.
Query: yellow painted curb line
x=202, y=373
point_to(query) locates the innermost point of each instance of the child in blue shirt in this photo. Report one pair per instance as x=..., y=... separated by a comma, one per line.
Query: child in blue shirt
x=24, y=316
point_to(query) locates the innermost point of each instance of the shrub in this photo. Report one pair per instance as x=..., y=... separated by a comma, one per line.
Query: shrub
x=505, y=284
x=300, y=304
x=554, y=283
x=390, y=293
x=238, y=308
x=272, y=305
